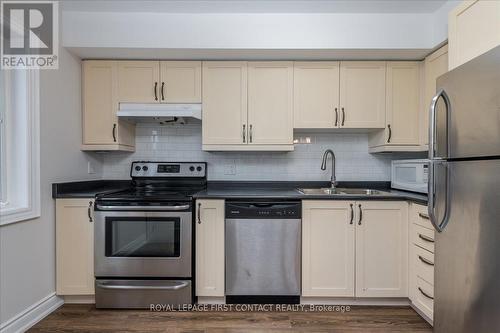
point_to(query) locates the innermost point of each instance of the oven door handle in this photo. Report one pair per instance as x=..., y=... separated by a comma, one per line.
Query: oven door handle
x=178, y=286
x=162, y=208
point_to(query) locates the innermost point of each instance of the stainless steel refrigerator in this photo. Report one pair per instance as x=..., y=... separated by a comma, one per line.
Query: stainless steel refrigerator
x=464, y=196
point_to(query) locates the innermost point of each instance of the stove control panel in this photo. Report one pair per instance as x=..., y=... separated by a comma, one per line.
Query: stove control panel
x=168, y=169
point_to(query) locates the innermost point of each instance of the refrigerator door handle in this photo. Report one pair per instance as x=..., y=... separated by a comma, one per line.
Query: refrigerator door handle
x=438, y=225
x=432, y=122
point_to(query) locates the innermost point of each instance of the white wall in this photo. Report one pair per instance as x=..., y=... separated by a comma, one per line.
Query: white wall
x=27, y=249
x=183, y=143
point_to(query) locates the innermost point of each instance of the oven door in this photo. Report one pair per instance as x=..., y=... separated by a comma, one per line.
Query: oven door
x=142, y=244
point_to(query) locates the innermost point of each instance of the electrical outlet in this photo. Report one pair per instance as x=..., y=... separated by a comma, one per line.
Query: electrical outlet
x=230, y=169
x=90, y=168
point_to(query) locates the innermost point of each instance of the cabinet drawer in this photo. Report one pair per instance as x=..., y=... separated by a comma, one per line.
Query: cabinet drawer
x=421, y=216
x=423, y=262
x=423, y=237
x=424, y=297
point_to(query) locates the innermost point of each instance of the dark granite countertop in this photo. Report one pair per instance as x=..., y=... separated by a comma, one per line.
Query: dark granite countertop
x=87, y=189
x=243, y=190
x=288, y=190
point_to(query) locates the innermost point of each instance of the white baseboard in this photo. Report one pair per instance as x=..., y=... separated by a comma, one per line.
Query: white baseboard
x=355, y=301
x=32, y=315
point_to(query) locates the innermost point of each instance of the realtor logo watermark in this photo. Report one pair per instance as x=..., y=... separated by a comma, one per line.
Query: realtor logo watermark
x=30, y=35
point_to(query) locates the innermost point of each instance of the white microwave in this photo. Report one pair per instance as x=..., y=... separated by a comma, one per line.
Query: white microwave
x=410, y=175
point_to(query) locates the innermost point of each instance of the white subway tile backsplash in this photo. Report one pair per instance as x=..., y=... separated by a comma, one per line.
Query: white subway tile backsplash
x=183, y=143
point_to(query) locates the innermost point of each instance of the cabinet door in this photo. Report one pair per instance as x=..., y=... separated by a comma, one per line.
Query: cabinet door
x=138, y=81
x=209, y=247
x=473, y=29
x=99, y=102
x=381, y=249
x=224, y=102
x=270, y=102
x=402, y=98
x=180, y=81
x=328, y=248
x=435, y=65
x=74, y=247
x=316, y=94
x=362, y=94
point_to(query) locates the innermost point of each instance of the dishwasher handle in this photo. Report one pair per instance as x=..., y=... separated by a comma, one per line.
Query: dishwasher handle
x=264, y=209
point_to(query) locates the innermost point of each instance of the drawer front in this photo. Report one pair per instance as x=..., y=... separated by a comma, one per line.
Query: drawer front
x=423, y=262
x=424, y=297
x=421, y=216
x=423, y=237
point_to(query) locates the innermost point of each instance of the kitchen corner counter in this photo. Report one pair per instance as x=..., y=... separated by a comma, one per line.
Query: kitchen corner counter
x=86, y=189
x=288, y=190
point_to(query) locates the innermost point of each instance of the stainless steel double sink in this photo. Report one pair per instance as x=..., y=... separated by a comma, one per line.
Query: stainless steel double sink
x=342, y=191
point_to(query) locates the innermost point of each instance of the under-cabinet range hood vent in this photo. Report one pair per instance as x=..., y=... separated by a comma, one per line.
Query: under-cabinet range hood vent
x=159, y=113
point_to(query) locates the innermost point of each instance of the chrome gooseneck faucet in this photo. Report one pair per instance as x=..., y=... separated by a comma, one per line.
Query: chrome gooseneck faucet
x=333, y=179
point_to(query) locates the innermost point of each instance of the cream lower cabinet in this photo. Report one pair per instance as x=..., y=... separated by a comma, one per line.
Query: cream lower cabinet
x=355, y=248
x=421, y=279
x=74, y=247
x=102, y=130
x=210, y=248
x=328, y=248
x=381, y=249
x=473, y=29
x=402, y=115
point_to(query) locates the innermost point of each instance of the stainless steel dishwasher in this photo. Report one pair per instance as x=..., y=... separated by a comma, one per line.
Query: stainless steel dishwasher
x=263, y=251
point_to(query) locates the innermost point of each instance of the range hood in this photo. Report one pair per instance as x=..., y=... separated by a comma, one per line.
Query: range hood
x=158, y=113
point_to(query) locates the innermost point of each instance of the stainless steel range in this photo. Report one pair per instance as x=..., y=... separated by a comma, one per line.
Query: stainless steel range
x=143, y=237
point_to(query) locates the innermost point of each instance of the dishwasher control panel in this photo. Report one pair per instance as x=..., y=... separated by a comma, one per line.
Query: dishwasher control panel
x=264, y=210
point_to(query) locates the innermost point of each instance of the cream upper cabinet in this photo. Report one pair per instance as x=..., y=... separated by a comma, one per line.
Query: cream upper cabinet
x=270, y=103
x=139, y=81
x=180, y=82
x=224, y=103
x=316, y=94
x=381, y=249
x=362, y=94
x=328, y=248
x=74, y=247
x=210, y=248
x=435, y=65
x=473, y=29
x=102, y=130
x=402, y=108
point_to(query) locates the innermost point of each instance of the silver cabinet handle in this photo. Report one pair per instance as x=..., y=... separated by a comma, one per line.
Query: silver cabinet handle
x=336, y=117
x=198, y=213
x=390, y=133
x=343, y=116
x=425, y=261
x=251, y=133
x=432, y=122
x=129, y=287
x=423, y=216
x=438, y=225
x=244, y=133
x=89, y=211
x=425, y=238
x=423, y=293
x=352, y=214
x=360, y=214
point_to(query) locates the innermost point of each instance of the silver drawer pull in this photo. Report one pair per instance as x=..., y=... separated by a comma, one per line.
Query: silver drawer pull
x=424, y=216
x=425, y=294
x=426, y=261
x=426, y=238
x=128, y=287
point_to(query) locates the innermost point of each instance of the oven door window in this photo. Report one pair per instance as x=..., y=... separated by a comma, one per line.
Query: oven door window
x=143, y=237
